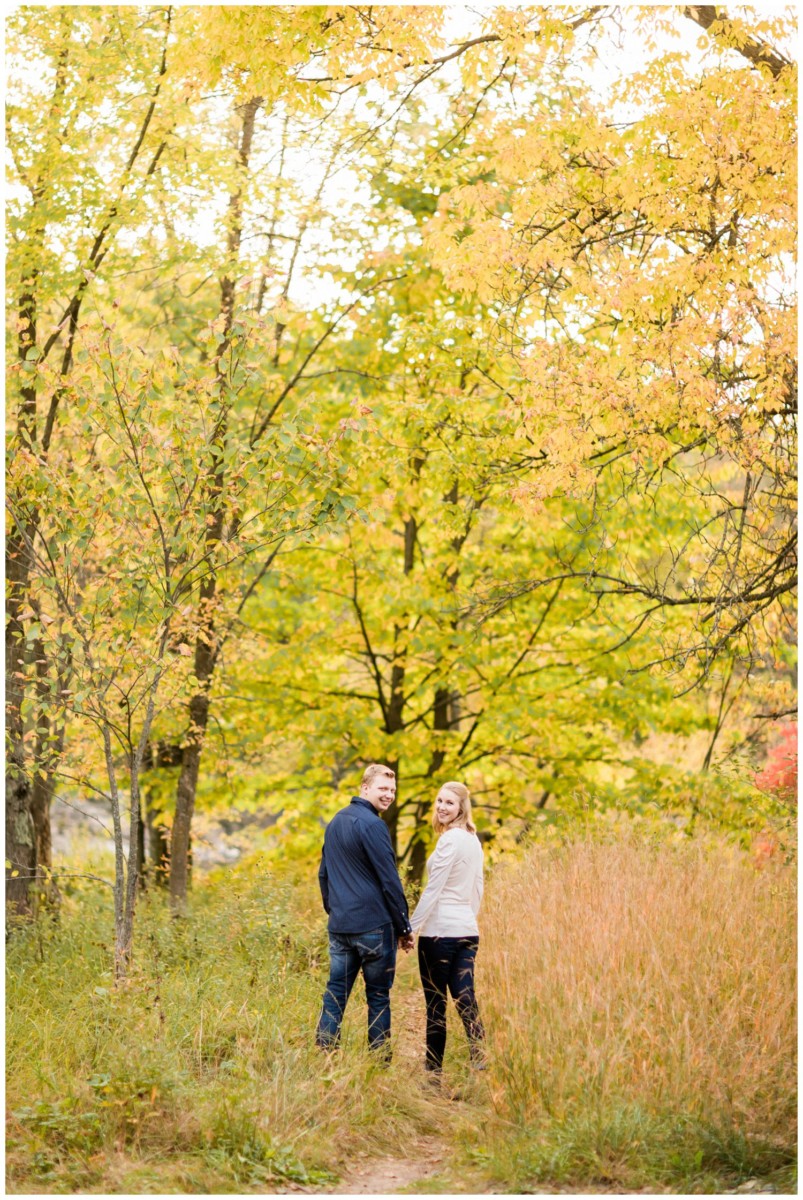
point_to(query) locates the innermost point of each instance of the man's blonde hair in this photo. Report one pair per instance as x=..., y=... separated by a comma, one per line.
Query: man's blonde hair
x=463, y=819
x=374, y=769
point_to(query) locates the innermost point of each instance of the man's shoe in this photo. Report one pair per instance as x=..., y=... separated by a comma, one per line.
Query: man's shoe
x=327, y=1047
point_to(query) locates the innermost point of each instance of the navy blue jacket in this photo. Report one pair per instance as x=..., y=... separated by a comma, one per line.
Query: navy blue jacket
x=360, y=884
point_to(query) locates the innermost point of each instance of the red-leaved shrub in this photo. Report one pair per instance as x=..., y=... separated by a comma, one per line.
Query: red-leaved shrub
x=780, y=770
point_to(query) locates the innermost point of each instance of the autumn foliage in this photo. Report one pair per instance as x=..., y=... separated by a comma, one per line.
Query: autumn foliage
x=405, y=384
x=779, y=775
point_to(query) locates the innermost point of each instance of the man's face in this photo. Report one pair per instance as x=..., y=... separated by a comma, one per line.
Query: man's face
x=380, y=792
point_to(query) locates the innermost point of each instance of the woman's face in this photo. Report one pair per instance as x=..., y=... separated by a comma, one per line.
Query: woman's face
x=447, y=807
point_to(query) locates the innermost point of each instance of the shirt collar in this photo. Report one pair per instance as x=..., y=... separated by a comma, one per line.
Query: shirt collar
x=365, y=804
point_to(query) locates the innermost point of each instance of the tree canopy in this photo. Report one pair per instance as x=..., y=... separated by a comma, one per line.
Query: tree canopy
x=397, y=383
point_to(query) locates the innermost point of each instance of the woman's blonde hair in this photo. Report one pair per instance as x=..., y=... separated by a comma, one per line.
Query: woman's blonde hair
x=463, y=819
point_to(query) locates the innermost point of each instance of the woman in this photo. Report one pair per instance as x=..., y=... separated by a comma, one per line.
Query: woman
x=446, y=919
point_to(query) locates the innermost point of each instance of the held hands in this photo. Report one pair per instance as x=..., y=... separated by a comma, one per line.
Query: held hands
x=407, y=941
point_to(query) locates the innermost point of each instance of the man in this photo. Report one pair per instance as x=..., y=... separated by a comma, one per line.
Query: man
x=368, y=915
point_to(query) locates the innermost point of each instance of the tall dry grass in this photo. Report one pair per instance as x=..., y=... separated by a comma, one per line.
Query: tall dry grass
x=641, y=1007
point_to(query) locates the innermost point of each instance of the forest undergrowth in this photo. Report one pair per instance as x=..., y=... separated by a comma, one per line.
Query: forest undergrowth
x=639, y=999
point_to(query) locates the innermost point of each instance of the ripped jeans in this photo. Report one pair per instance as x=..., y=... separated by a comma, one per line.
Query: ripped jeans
x=373, y=953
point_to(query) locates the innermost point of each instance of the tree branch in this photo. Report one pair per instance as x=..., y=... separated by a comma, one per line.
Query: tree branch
x=715, y=21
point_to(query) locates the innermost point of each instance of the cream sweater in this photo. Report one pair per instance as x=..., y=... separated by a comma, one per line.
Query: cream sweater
x=451, y=900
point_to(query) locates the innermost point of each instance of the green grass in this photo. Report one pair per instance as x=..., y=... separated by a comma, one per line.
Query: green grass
x=199, y=1073
x=641, y=1035
x=630, y=1149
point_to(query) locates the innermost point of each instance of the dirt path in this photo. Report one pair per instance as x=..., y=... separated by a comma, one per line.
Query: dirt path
x=389, y=1176
x=427, y=1157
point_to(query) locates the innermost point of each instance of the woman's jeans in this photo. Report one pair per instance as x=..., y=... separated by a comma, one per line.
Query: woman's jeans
x=373, y=953
x=444, y=963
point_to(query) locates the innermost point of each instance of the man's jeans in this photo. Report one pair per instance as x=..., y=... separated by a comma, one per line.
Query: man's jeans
x=373, y=953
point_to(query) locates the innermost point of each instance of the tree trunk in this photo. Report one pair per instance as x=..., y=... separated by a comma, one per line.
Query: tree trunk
x=46, y=885
x=126, y=876
x=20, y=842
x=158, y=756
x=122, y=947
x=49, y=749
x=206, y=641
x=185, y=796
x=442, y=719
x=20, y=829
x=394, y=718
x=418, y=847
x=158, y=855
x=391, y=817
x=133, y=880
x=42, y=794
x=445, y=716
x=142, y=881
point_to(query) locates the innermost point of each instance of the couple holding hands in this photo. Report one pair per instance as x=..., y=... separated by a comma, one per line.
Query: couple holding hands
x=369, y=918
